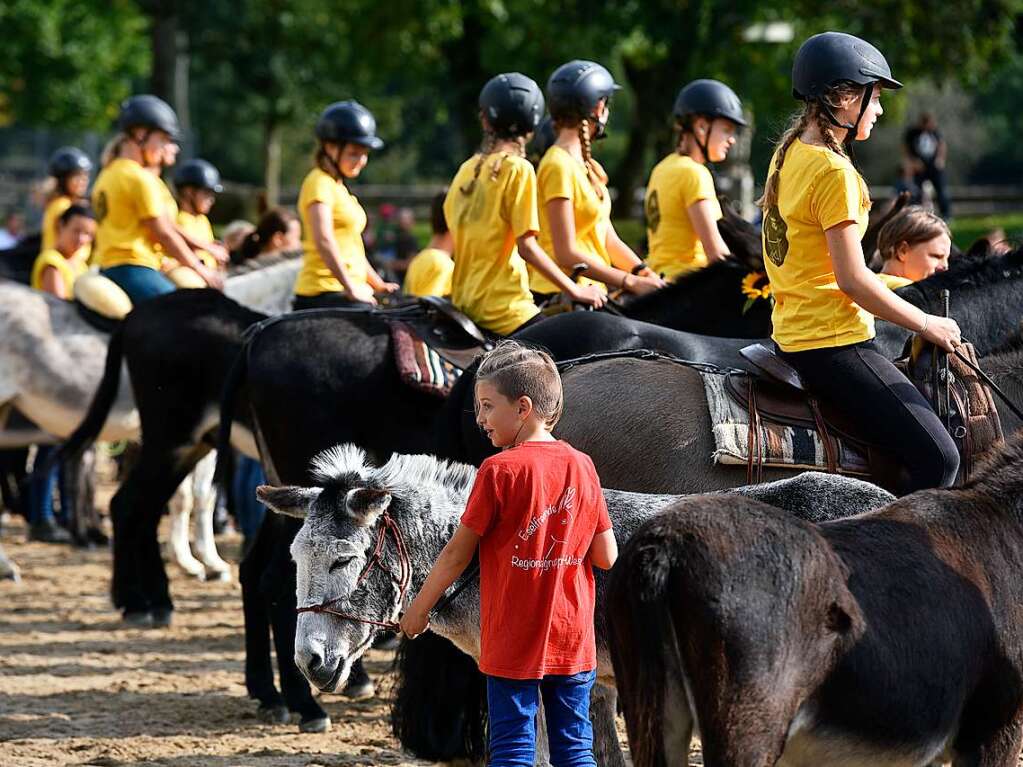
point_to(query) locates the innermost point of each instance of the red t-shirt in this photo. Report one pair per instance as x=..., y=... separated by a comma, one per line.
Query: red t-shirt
x=536, y=508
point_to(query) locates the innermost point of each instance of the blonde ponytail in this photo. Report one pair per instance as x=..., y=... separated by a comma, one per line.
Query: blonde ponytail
x=489, y=140
x=597, y=177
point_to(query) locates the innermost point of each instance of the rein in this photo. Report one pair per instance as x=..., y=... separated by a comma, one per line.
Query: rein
x=402, y=579
x=993, y=386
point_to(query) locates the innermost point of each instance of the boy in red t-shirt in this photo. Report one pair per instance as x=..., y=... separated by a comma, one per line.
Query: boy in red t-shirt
x=537, y=513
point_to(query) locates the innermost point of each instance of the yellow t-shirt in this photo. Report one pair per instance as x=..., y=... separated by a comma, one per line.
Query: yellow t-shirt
x=70, y=269
x=54, y=209
x=429, y=273
x=125, y=195
x=198, y=227
x=490, y=283
x=349, y=220
x=676, y=182
x=818, y=189
x=562, y=175
x=894, y=282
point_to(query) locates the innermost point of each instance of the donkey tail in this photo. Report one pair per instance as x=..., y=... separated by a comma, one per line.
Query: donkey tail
x=643, y=643
x=236, y=378
x=102, y=403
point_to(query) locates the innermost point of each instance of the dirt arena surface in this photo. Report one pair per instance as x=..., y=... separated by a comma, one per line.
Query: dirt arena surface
x=78, y=689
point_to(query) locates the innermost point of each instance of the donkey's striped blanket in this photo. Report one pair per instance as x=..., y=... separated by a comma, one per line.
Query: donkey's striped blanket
x=419, y=365
x=783, y=446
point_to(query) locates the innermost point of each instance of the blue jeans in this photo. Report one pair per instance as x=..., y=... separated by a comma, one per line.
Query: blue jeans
x=139, y=282
x=41, y=486
x=513, y=707
x=248, y=475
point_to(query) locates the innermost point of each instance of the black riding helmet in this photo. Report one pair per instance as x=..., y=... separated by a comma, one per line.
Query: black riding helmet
x=348, y=122
x=830, y=58
x=711, y=99
x=198, y=173
x=149, y=112
x=513, y=104
x=68, y=160
x=575, y=89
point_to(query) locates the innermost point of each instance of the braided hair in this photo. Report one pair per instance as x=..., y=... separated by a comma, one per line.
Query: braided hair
x=596, y=175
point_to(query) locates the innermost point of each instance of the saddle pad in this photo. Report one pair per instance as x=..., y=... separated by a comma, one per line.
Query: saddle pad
x=420, y=366
x=788, y=447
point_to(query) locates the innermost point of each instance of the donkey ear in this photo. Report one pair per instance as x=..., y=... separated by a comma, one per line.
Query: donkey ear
x=365, y=504
x=290, y=500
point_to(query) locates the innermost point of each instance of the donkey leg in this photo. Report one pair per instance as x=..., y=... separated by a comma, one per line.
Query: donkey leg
x=205, y=494
x=181, y=505
x=603, y=708
x=259, y=673
x=297, y=694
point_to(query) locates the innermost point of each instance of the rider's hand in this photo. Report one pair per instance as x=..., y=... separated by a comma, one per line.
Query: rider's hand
x=943, y=332
x=212, y=277
x=363, y=292
x=390, y=287
x=413, y=623
x=641, y=285
x=646, y=271
x=590, y=295
x=219, y=252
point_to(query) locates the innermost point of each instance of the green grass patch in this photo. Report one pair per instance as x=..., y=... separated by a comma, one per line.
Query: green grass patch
x=967, y=229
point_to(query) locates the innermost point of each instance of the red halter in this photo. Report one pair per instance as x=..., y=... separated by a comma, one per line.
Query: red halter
x=402, y=579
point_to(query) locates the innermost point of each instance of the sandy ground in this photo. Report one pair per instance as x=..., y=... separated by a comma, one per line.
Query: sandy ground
x=76, y=688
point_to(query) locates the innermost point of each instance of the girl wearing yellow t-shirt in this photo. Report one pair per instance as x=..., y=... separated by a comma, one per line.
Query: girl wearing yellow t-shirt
x=914, y=245
x=491, y=210
x=335, y=270
x=575, y=206
x=56, y=269
x=197, y=183
x=815, y=211
x=69, y=170
x=130, y=204
x=681, y=204
x=430, y=270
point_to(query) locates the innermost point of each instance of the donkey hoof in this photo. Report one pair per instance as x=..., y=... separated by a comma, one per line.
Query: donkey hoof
x=274, y=714
x=137, y=619
x=219, y=575
x=162, y=617
x=318, y=724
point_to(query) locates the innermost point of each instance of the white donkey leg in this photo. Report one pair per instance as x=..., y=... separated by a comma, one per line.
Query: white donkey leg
x=180, y=512
x=205, y=507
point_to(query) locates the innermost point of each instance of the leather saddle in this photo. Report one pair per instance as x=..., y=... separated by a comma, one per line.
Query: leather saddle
x=779, y=394
x=448, y=331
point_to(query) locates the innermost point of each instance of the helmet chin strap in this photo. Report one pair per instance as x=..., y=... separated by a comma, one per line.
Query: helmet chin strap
x=711, y=166
x=851, y=129
x=334, y=163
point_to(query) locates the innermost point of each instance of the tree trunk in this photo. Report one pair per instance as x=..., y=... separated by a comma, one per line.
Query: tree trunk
x=169, y=78
x=463, y=56
x=272, y=161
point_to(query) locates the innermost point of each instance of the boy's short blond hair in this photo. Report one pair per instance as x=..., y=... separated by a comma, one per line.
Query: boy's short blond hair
x=520, y=371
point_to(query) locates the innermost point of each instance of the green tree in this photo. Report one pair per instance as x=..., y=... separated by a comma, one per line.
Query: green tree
x=68, y=63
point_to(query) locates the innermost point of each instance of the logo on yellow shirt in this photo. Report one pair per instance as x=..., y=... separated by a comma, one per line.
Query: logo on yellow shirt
x=101, y=208
x=776, y=241
x=652, y=208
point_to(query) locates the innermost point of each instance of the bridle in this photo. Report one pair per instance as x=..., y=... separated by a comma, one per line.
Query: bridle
x=402, y=579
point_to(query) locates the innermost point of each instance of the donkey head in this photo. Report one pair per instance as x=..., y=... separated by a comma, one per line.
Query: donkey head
x=347, y=552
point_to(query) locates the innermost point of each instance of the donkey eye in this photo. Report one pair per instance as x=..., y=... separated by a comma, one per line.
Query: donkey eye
x=339, y=563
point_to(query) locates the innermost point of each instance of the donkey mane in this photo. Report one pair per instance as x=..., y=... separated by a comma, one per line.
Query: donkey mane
x=689, y=282
x=975, y=271
x=1001, y=475
x=340, y=465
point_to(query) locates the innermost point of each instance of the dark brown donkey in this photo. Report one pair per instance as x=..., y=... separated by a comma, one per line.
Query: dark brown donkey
x=891, y=638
